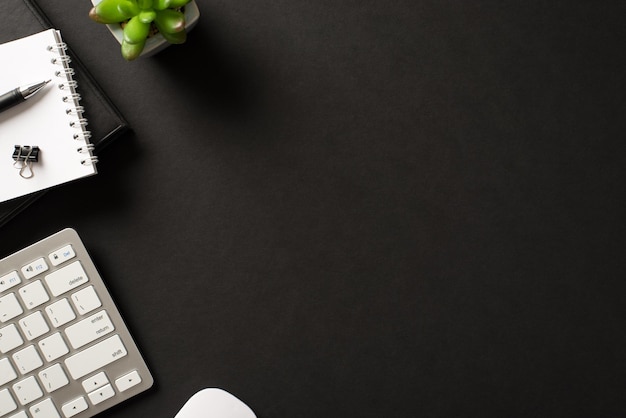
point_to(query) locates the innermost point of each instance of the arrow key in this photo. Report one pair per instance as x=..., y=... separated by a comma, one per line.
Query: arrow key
x=128, y=381
x=74, y=407
x=101, y=395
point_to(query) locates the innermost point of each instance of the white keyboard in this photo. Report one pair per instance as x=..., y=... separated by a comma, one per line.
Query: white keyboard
x=64, y=348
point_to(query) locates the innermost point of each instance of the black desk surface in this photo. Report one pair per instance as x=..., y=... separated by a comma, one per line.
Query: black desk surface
x=399, y=208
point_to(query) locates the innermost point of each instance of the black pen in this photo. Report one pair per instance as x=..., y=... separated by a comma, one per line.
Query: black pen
x=20, y=94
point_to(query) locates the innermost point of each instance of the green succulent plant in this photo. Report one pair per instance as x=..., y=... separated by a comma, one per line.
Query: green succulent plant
x=141, y=19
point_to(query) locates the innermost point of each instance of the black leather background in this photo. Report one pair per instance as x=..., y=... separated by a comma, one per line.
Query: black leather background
x=398, y=208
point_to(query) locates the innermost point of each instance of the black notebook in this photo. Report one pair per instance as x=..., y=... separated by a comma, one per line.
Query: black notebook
x=24, y=18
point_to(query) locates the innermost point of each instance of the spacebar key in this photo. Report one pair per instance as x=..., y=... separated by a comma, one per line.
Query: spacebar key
x=95, y=357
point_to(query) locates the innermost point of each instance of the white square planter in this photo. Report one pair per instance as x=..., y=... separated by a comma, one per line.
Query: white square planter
x=157, y=42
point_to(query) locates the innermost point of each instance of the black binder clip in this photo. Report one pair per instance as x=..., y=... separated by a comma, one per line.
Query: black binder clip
x=25, y=156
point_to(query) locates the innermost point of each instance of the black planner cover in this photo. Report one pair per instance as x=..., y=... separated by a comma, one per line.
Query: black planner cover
x=23, y=18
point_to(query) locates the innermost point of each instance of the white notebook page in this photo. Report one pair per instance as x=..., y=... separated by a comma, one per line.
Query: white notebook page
x=42, y=120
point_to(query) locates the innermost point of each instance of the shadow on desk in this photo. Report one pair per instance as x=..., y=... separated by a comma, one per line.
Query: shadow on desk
x=228, y=84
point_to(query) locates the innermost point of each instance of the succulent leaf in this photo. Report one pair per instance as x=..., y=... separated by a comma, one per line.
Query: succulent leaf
x=136, y=31
x=132, y=51
x=176, y=37
x=169, y=21
x=178, y=3
x=161, y=4
x=113, y=11
x=169, y=4
x=147, y=16
x=145, y=4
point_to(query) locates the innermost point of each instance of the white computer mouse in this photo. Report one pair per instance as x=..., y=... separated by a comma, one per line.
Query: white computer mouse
x=214, y=403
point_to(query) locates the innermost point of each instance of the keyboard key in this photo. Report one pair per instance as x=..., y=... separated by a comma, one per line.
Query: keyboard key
x=53, y=347
x=89, y=329
x=74, y=407
x=34, y=268
x=7, y=404
x=95, y=382
x=95, y=357
x=7, y=373
x=86, y=300
x=9, y=280
x=44, y=409
x=27, y=359
x=128, y=381
x=34, y=325
x=27, y=390
x=101, y=395
x=53, y=378
x=66, y=278
x=62, y=255
x=60, y=313
x=34, y=294
x=9, y=338
x=9, y=307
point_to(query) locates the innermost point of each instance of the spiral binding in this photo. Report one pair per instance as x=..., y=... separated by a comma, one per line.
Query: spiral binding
x=72, y=98
x=90, y=161
x=64, y=72
x=87, y=149
x=61, y=59
x=71, y=85
x=84, y=135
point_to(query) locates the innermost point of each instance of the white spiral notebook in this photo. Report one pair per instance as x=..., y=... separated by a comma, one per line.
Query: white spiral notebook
x=51, y=122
